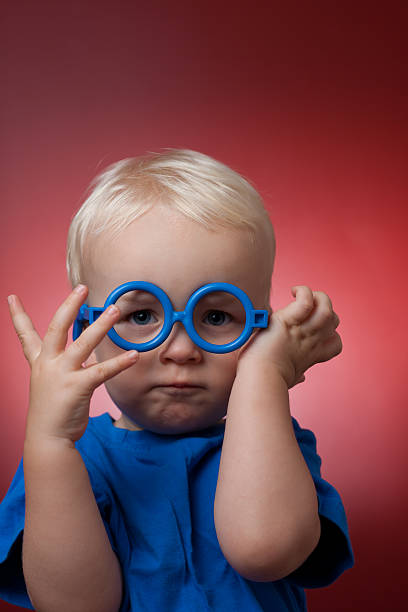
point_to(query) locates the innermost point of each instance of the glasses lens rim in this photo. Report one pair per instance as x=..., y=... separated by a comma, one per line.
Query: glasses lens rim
x=153, y=303
x=235, y=304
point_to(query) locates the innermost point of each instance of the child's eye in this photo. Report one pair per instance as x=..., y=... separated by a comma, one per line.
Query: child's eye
x=141, y=317
x=217, y=317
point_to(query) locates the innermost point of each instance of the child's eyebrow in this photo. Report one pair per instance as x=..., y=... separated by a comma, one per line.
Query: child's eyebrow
x=142, y=296
x=209, y=299
x=227, y=298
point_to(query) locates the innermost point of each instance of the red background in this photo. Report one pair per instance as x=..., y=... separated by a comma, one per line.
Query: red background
x=308, y=100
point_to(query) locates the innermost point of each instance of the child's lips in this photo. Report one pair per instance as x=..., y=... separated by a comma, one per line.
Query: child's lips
x=180, y=385
x=175, y=388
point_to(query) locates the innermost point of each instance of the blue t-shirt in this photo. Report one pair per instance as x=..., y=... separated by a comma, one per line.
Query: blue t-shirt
x=156, y=495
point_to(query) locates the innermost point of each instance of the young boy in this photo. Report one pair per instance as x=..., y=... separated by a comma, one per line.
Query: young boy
x=171, y=508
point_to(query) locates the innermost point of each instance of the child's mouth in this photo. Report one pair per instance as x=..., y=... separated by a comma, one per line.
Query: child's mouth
x=179, y=388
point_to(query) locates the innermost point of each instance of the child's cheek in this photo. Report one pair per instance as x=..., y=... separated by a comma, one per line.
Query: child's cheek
x=107, y=349
x=230, y=364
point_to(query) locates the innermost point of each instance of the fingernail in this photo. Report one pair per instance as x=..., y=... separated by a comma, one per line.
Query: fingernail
x=11, y=299
x=112, y=309
x=79, y=288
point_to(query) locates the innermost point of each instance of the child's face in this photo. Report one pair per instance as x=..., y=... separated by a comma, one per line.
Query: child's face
x=179, y=255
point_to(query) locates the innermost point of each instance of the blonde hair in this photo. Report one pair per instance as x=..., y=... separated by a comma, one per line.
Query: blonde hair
x=198, y=186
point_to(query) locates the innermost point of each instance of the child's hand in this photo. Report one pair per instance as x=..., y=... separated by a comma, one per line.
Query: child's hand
x=299, y=335
x=60, y=386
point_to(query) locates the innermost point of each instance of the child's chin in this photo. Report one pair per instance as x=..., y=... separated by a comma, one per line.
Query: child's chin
x=179, y=418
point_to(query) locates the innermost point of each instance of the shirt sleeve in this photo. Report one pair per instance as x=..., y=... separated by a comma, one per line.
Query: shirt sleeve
x=12, y=516
x=333, y=554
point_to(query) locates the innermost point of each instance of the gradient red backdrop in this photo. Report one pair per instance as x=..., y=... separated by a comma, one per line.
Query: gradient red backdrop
x=309, y=101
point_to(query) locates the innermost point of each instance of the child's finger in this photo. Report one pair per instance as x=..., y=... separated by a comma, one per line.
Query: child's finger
x=296, y=312
x=26, y=332
x=55, y=339
x=101, y=372
x=80, y=350
x=331, y=348
x=323, y=316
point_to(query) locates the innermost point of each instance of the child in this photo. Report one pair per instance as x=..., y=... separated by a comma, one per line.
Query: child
x=171, y=508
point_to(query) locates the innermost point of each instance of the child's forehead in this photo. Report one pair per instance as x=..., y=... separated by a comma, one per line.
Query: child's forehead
x=175, y=253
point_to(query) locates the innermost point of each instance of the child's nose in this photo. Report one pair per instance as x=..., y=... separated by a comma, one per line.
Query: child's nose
x=179, y=346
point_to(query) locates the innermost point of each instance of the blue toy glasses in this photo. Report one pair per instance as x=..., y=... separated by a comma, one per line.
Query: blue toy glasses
x=218, y=317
